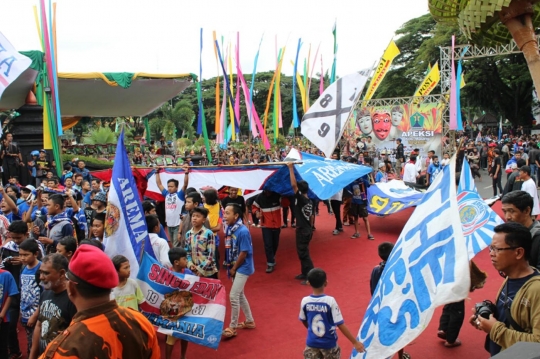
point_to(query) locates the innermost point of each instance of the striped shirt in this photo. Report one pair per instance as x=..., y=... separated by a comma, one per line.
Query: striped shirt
x=200, y=248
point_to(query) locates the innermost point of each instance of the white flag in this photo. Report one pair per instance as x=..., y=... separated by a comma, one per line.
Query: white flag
x=12, y=63
x=427, y=268
x=326, y=119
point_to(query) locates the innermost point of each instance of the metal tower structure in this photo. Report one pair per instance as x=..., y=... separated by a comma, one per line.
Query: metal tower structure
x=463, y=52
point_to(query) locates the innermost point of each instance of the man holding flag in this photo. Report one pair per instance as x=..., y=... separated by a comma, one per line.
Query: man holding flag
x=126, y=232
x=424, y=270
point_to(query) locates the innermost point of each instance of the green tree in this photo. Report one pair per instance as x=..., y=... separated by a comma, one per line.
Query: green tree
x=173, y=121
x=500, y=85
x=496, y=21
x=100, y=136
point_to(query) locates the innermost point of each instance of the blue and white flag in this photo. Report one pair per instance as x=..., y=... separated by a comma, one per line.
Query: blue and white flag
x=477, y=219
x=326, y=177
x=181, y=305
x=125, y=227
x=12, y=63
x=500, y=128
x=391, y=197
x=427, y=268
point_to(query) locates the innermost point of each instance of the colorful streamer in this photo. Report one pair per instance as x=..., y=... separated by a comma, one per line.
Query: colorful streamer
x=305, y=104
x=321, y=82
x=453, y=103
x=217, y=124
x=231, y=102
x=229, y=94
x=296, y=121
x=237, y=99
x=251, y=110
x=334, y=32
x=311, y=72
x=459, y=78
x=200, y=116
x=253, y=82
x=202, y=119
x=51, y=66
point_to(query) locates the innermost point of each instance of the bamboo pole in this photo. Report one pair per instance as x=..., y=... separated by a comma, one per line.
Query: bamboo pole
x=220, y=166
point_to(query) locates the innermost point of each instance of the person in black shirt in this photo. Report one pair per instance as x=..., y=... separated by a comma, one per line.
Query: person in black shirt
x=233, y=197
x=496, y=172
x=303, y=211
x=11, y=158
x=400, y=157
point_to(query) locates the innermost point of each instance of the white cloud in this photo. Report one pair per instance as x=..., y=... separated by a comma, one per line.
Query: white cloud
x=162, y=36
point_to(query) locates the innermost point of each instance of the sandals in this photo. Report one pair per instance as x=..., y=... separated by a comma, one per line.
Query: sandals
x=229, y=333
x=246, y=325
x=405, y=355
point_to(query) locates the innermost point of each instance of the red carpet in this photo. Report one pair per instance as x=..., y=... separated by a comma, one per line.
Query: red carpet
x=275, y=298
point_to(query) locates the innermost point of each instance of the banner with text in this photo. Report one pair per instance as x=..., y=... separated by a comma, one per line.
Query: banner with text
x=418, y=126
x=183, y=306
x=391, y=197
x=427, y=268
x=430, y=81
x=382, y=68
x=12, y=63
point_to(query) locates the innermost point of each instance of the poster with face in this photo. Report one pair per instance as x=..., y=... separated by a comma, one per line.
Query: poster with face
x=419, y=126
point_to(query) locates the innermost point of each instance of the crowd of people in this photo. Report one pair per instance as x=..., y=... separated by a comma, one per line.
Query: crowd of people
x=60, y=285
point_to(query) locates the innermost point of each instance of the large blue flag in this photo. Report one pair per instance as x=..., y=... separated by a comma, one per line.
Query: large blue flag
x=326, y=177
x=125, y=228
x=477, y=218
x=391, y=197
x=427, y=268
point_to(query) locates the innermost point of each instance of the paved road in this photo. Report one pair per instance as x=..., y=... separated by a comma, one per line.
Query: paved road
x=484, y=187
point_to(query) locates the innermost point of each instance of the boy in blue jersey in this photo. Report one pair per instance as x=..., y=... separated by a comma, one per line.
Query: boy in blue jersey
x=8, y=290
x=358, y=190
x=320, y=314
x=239, y=259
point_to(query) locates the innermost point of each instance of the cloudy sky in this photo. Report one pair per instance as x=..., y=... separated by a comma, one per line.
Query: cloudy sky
x=163, y=36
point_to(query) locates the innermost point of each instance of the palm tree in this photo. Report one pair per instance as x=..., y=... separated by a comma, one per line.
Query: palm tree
x=168, y=120
x=489, y=22
x=100, y=136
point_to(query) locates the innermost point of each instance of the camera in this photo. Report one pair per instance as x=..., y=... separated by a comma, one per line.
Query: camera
x=485, y=309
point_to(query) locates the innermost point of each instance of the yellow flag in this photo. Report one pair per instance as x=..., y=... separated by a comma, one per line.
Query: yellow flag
x=462, y=82
x=382, y=68
x=430, y=81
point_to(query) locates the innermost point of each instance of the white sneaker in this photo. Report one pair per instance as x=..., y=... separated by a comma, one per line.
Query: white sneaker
x=335, y=232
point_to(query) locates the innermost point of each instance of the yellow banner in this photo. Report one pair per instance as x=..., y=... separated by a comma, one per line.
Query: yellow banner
x=382, y=68
x=430, y=81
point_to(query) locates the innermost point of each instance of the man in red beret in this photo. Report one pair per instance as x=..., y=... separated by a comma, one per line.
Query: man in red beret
x=100, y=321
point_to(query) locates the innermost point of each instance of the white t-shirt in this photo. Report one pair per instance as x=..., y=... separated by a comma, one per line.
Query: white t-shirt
x=410, y=172
x=161, y=249
x=338, y=196
x=530, y=187
x=173, y=207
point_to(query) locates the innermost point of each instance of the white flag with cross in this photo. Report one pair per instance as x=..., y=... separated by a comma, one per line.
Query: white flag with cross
x=326, y=119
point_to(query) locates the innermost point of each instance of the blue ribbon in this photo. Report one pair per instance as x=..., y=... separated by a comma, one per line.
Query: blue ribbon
x=296, y=122
x=199, y=92
x=231, y=99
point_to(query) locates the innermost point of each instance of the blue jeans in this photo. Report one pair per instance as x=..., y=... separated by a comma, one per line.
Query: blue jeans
x=534, y=168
